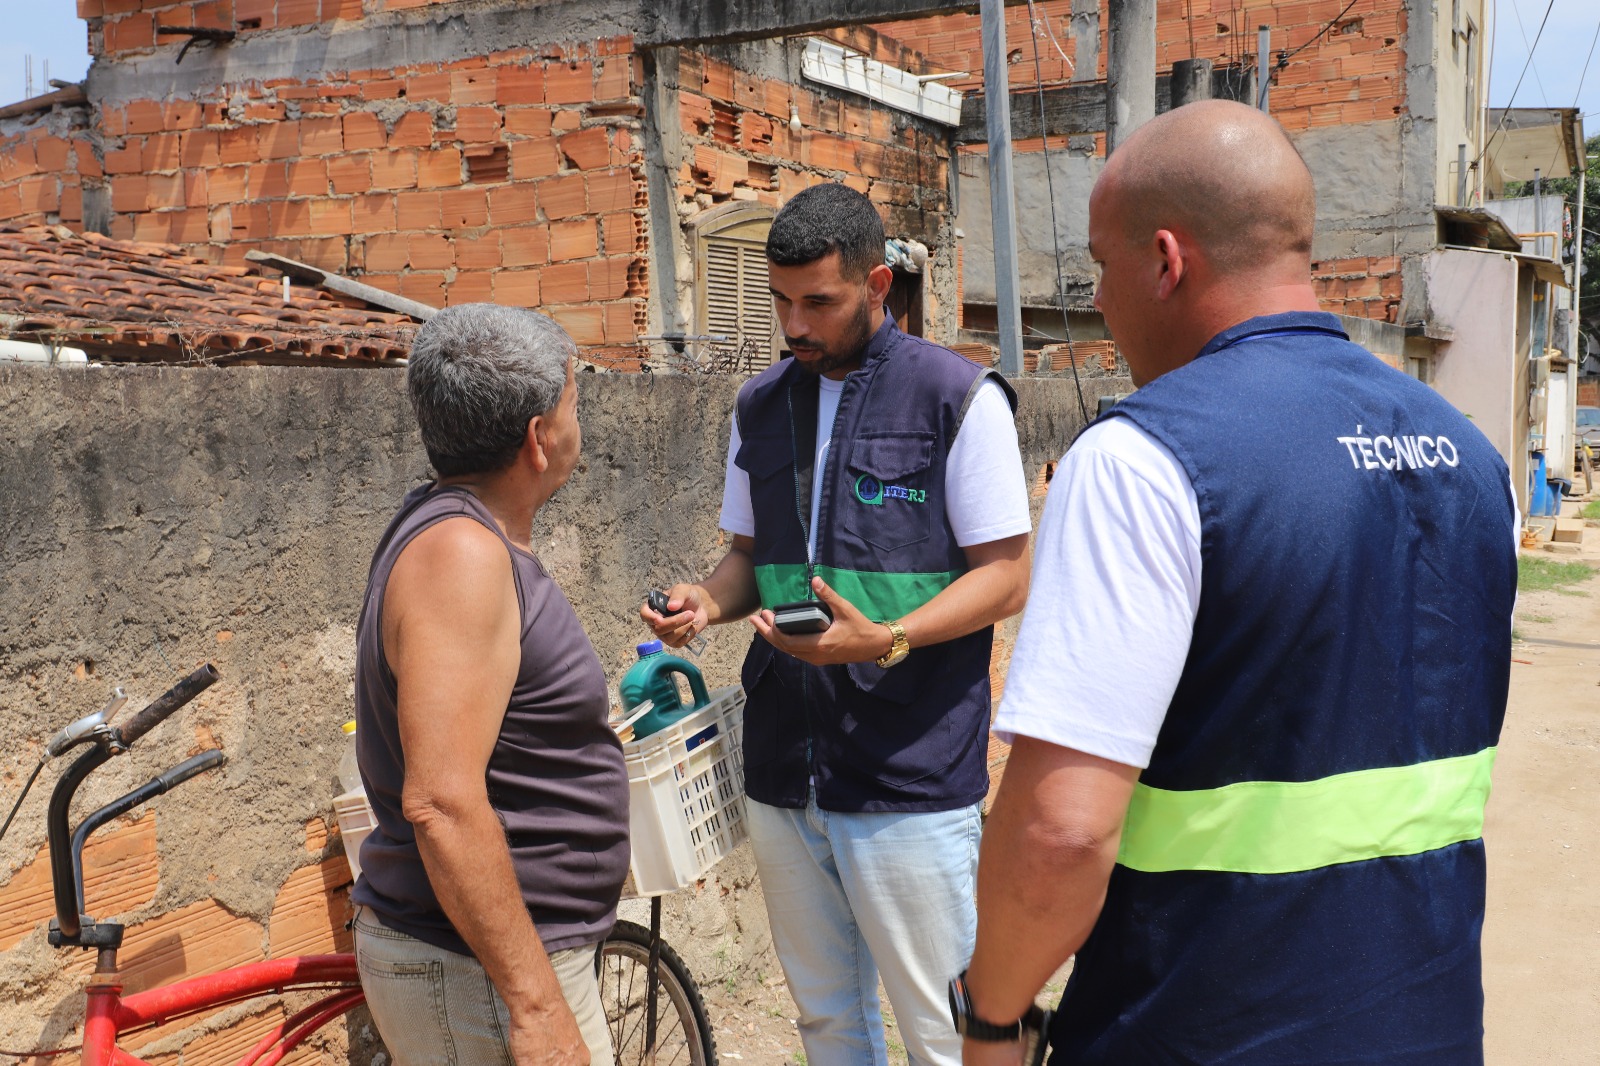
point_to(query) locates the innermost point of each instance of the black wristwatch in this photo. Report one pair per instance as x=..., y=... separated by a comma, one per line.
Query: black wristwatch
x=1027, y=1030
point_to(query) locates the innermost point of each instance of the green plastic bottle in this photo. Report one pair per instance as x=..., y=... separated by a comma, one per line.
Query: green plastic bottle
x=651, y=679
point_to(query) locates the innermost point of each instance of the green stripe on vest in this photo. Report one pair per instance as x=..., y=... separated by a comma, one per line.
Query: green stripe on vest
x=1279, y=827
x=878, y=596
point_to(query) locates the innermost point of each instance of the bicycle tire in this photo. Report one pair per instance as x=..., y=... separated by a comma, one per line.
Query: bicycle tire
x=683, y=1031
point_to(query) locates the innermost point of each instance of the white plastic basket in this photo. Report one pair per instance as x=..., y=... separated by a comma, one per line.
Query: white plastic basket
x=356, y=820
x=686, y=796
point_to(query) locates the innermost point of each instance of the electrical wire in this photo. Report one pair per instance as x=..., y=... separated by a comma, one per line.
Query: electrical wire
x=1284, y=57
x=31, y=779
x=1544, y=96
x=1585, y=72
x=1505, y=111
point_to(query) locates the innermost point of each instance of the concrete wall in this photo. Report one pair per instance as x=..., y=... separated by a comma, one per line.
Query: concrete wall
x=1482, y=370
x=1457, y=123
x=155, y=518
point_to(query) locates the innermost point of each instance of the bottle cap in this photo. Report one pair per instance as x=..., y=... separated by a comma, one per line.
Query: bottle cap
x=348, y=729
x=649, y=647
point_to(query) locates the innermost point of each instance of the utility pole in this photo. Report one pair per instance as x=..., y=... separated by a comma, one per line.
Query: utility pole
x=1002, y=202
x=1130, y=68
x=1263, y=66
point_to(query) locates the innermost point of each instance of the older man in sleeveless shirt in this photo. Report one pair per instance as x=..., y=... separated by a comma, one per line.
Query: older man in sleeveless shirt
x=500, y=793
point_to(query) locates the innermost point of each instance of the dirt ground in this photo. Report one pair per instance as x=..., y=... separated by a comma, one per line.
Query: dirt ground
x=1541, y=942
x=1541, y=938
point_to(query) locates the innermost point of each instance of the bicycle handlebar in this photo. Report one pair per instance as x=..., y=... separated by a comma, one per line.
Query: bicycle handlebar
x=168, y=702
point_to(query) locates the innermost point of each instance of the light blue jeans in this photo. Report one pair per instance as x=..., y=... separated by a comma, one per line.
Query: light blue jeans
x=850, y=895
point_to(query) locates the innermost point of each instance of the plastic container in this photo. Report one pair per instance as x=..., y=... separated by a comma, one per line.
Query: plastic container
x=350, y=808
x=686, y=795
x=651, y=679
x=349, y=769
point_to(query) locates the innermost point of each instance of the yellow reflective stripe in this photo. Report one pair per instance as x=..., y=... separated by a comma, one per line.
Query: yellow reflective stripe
x=1279, y=827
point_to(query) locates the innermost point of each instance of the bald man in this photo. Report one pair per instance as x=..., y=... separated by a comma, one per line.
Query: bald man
x=1259, y=682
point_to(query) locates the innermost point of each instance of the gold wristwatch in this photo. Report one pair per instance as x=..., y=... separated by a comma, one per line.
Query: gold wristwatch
x=899, y=649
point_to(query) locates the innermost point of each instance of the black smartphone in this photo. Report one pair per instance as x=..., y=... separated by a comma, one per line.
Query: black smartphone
x=801, y=617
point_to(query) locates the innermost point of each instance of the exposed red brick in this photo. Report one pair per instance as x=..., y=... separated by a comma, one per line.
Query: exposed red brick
x=513, y=204
x=574, y=239
x=473, y=86
x=267, y=181
x=463, y=208
x=431, y=251
x=517, y=288
x=587, y=149
x=394, y=170
x=130, y=33
x=585, y=324
x=471, y=286
x=321, y=136
x=569, y=83
x=608, y=279
x=363, y=130
x=519, y=86
x=308, y=177
x=387, y=252
x=417, y=210
x=350, y=174
x=478, y=253
x=279, y=140
x=123, y=161
x=373, y=214
x=439, y=168
x=528, y=121
x=524, y=246
x=414, y=129
x=565, y=283
x=615, y=79
x=537, y=158
x=144, y=116
x=562, y=197
x=239, y=145
x=424, y=288
x=476, y=124
x=613, y=190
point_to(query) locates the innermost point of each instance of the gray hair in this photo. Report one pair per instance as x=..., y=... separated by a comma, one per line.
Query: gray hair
x=478, y=374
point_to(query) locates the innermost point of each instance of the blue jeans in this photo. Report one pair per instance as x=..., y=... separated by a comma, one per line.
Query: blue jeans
x=849, y=895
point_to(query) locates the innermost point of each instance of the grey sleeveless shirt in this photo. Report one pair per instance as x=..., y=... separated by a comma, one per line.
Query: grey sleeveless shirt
x=556, y=778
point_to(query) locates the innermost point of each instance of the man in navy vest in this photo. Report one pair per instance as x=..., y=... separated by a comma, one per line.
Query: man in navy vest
x=1257, y=690
x=880, y=474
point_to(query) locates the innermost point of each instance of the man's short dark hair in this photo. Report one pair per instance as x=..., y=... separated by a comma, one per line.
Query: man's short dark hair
x=823, y=219
x=478, y=374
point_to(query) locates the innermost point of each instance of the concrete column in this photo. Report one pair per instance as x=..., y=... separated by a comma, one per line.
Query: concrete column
x=1191, y=81
x=1130, y=68
x=1002, y=205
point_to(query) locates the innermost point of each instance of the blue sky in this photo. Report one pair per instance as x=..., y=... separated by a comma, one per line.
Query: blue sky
x=51, y=30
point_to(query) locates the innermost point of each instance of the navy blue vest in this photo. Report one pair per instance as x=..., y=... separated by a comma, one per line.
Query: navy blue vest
x=913, y=737
x=1358, y=573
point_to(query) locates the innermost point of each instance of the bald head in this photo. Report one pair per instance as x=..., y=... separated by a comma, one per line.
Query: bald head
x=1221, y=175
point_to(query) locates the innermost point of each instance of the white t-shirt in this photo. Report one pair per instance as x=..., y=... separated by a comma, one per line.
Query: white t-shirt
x=985, y=493
x=1116, y=565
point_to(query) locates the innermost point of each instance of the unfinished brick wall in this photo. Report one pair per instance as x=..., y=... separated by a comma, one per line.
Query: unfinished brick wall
x=117, y=26
x=1366, y=287
x=514, y=177
x=44, y=170
x=1589, y=392
x=1353, y=73
x=739, y=146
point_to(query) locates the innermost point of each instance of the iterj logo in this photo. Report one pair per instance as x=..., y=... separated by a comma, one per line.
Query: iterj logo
x=872, y=492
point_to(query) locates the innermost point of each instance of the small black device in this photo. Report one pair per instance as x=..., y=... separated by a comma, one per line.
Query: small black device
x=802, y=617
x=657, y=601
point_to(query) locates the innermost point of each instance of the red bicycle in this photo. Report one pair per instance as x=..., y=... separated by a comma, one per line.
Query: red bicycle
x=110, y=1014
x=660, y=1020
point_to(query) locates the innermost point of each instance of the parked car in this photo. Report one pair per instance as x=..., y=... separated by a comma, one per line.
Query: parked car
x=1588, y=429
